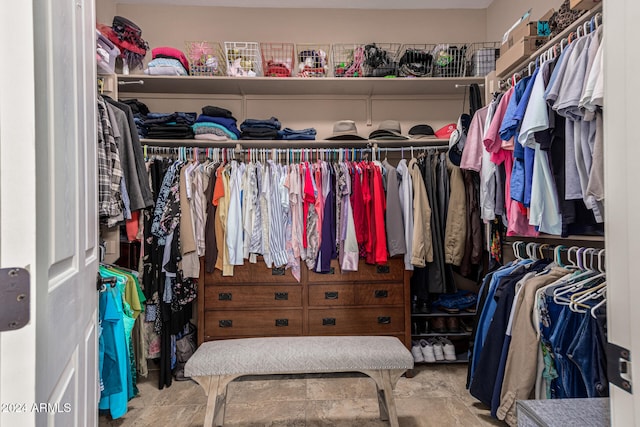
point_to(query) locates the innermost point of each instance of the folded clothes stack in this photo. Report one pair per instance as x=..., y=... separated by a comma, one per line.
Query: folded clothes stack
x=140, y=111
x=216, y=124
x=308, y=134
x=169, y=125
x=260, y=129
x=167, y=61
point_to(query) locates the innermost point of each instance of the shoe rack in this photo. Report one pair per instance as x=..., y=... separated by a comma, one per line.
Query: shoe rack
x=438, y=323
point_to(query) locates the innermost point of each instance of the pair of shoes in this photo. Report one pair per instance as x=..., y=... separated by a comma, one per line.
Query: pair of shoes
x=443, y=349
x=453, y=325
x=416, y=351
x=427, y=351
x=438, y=325
x=448, y=349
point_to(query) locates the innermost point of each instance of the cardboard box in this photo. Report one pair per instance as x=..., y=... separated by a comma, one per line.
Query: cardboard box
x=520, y=50
x=584, y=4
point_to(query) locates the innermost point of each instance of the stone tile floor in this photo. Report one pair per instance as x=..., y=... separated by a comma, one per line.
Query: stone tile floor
x=435, y=396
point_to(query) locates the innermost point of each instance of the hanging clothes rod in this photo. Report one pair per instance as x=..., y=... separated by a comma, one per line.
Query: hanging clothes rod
x=131, y=82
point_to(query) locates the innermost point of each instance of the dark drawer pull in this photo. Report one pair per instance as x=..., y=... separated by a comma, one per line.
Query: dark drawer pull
x=382, y=269
x=384, y=320
x=224, y=296
x=281, y=296
x=282, y=322
x=329, y=321
x=331, y=295
x=225, y=323
x=381, y=293
x=277, y=271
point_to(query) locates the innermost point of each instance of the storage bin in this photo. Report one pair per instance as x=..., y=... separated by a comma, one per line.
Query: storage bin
x=450, y=60
x=277, y=59
x=106, y=54
x=243, y=59
x=348, y=60
x=483, y=58
x=380, y=59
x=416, y=60
x=205, y=58
x=312, y=60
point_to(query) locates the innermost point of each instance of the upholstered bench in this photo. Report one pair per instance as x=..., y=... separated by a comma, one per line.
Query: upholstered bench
x=216, y=363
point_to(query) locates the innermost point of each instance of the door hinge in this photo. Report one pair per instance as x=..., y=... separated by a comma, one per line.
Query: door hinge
x=14, y=298
x=619, y=367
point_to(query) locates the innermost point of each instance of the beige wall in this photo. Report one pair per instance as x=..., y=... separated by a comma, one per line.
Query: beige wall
x=105, y=11
x=501, y=14
x=171, y=25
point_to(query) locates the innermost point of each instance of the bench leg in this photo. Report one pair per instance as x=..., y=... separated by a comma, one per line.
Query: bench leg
x=215, y=388
x=387, y=382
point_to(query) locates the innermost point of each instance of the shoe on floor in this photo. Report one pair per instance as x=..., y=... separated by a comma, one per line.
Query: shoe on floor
x=427, y=351
x=438, y=351
x=416, y=351
x=448, y=349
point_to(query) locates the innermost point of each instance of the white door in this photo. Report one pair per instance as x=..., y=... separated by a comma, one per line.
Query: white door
x=622, y=209
x=48, y=217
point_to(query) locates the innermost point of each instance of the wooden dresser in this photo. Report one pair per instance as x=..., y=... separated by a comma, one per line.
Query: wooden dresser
x=261, y=302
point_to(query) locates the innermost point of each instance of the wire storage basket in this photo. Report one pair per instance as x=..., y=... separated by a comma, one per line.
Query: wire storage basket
x=348, y=60
x=450, y=60
x=312, y=60
x=381, y=59
x=243, y=59
x=277, y=59
x=416, y=60
x=483, y=58
x=205, y=58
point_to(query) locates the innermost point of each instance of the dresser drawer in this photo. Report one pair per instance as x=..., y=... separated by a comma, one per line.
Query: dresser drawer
x=246, y=296
x=379, y=294
x=332, y=295
x=393, y=271
x=258, y=323
x=252, y=274
x=356, y=321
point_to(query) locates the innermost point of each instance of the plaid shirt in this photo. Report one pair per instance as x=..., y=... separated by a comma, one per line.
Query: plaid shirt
x=109, y=170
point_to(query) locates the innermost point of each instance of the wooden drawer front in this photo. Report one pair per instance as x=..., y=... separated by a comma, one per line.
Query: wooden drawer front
x=393, y=271
x=252, y=296
x=333, y=295
x=379, y=294
x=356, y=321
x=253, y=323
x=252, y=274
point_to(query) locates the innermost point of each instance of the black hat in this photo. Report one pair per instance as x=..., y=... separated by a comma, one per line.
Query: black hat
x=389, y=130
x=421, y=132
x=458, y=138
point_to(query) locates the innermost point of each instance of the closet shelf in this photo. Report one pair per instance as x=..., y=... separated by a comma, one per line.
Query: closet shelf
x=279, y=143
x=295, y=85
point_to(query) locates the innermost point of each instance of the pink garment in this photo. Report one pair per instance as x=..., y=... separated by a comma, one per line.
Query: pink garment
x=492, y=141
x=472, y=153
x=502, y=151
x=317, y=168
x=171, y=52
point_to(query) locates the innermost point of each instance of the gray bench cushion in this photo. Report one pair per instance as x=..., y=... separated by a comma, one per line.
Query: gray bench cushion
x=285, y=355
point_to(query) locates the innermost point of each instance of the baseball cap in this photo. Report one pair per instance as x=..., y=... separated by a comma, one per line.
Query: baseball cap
x=445, y=131
x=421, y=131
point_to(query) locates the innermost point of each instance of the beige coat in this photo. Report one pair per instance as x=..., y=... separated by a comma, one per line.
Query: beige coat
x=422, y=251
x=456, y=227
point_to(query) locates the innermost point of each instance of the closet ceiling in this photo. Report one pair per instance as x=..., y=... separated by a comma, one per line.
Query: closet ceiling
x=329, y=4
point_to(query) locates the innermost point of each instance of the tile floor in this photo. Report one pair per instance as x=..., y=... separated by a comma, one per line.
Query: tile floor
x=435, y=396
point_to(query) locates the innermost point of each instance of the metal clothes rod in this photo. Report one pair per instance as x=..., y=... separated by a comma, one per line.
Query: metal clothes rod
x=131, y=82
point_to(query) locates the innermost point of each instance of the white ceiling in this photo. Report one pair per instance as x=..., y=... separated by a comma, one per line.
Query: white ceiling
x=329, y=4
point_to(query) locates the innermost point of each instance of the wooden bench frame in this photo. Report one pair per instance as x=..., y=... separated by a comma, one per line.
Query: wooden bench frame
x=215, y=388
